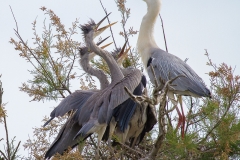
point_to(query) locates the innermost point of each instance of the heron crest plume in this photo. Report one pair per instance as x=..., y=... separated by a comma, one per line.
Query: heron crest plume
x=115, y=52
x=86, y=28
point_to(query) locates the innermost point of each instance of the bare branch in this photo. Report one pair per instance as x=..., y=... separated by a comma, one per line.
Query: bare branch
x=105, y=10
x=1, y=92
x=7, y=139
x=16, y=149
x=3, y=155
x=133, y=150
x=14, y=18
x=94, y=144
x=163, y=33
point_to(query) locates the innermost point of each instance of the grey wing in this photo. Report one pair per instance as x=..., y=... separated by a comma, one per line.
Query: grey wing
x=151, y=121
x=82, y=115
x=72, y=102
x=168, y=66
x=118, y=95
x=101, y=105
x=64, y=139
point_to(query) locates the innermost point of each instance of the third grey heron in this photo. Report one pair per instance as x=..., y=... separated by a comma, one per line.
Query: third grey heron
x=74, y=102
x=107, y=100
x=167, y=65
x=132, y=127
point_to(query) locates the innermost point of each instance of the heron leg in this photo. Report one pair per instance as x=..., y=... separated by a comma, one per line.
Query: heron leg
x=124, y=135
x=181, y=120
x=100, y=135
x=112, y=124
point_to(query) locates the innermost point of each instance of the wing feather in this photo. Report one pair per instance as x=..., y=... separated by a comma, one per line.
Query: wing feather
x=119, y=95
x=168, y=66
x=73, y=101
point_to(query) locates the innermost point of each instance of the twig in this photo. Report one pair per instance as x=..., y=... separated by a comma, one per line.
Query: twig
x=14, y=18
x=67, y=79
x=1, y=92
x=129, y=148
x=49, y=77
x=140, y=99
x=5, y=122
x=161, y=135
x=14, y=153
x=7, y=139
x=105, y=10
x=163, y=33
x=161, y=119
x=94, y=144
x=3, y=155
x=216, y=125
x=170, y=110
x=20, y=38
x=168, y=117
x=126, y=38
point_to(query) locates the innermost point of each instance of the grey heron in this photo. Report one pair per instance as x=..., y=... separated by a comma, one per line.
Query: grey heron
x=79, y=97
x=105, y=101
x=133, y=121
x=166, y=65
x=71, y=127
x=74, y=102
x=132, y=127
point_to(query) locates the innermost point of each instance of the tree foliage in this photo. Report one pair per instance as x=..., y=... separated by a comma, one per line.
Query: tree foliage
x=10, y=150
x=212, y=125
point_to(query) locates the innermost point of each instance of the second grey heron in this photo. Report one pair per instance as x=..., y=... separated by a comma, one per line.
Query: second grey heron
x=166, y=65
x=107, y=100
x=74, y=102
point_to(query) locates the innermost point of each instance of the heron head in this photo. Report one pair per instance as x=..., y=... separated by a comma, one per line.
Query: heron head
x=92, y=26
x=153, y=3
x=83, y=51
x=120, y=54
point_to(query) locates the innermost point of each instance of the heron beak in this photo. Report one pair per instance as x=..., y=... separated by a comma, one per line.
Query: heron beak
x=99, y=23
x=102, y=41
x=100, y=30
x=106, y=45
x=123, y=54
x=105, y=27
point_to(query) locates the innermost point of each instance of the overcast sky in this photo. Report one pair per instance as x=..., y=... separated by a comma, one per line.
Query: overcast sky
x=190, y=27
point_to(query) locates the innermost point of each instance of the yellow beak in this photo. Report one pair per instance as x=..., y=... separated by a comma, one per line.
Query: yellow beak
x=123, y=54
x=100, y=30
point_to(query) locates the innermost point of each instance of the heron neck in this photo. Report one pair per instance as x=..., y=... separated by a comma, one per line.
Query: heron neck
x=115, y=71
x=146, y=39
x=84, y=61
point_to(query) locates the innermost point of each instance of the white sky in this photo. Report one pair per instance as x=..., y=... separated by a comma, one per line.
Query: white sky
x=190, y=27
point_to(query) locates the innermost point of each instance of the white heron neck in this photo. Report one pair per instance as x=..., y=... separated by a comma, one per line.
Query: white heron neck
x=145, y=38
